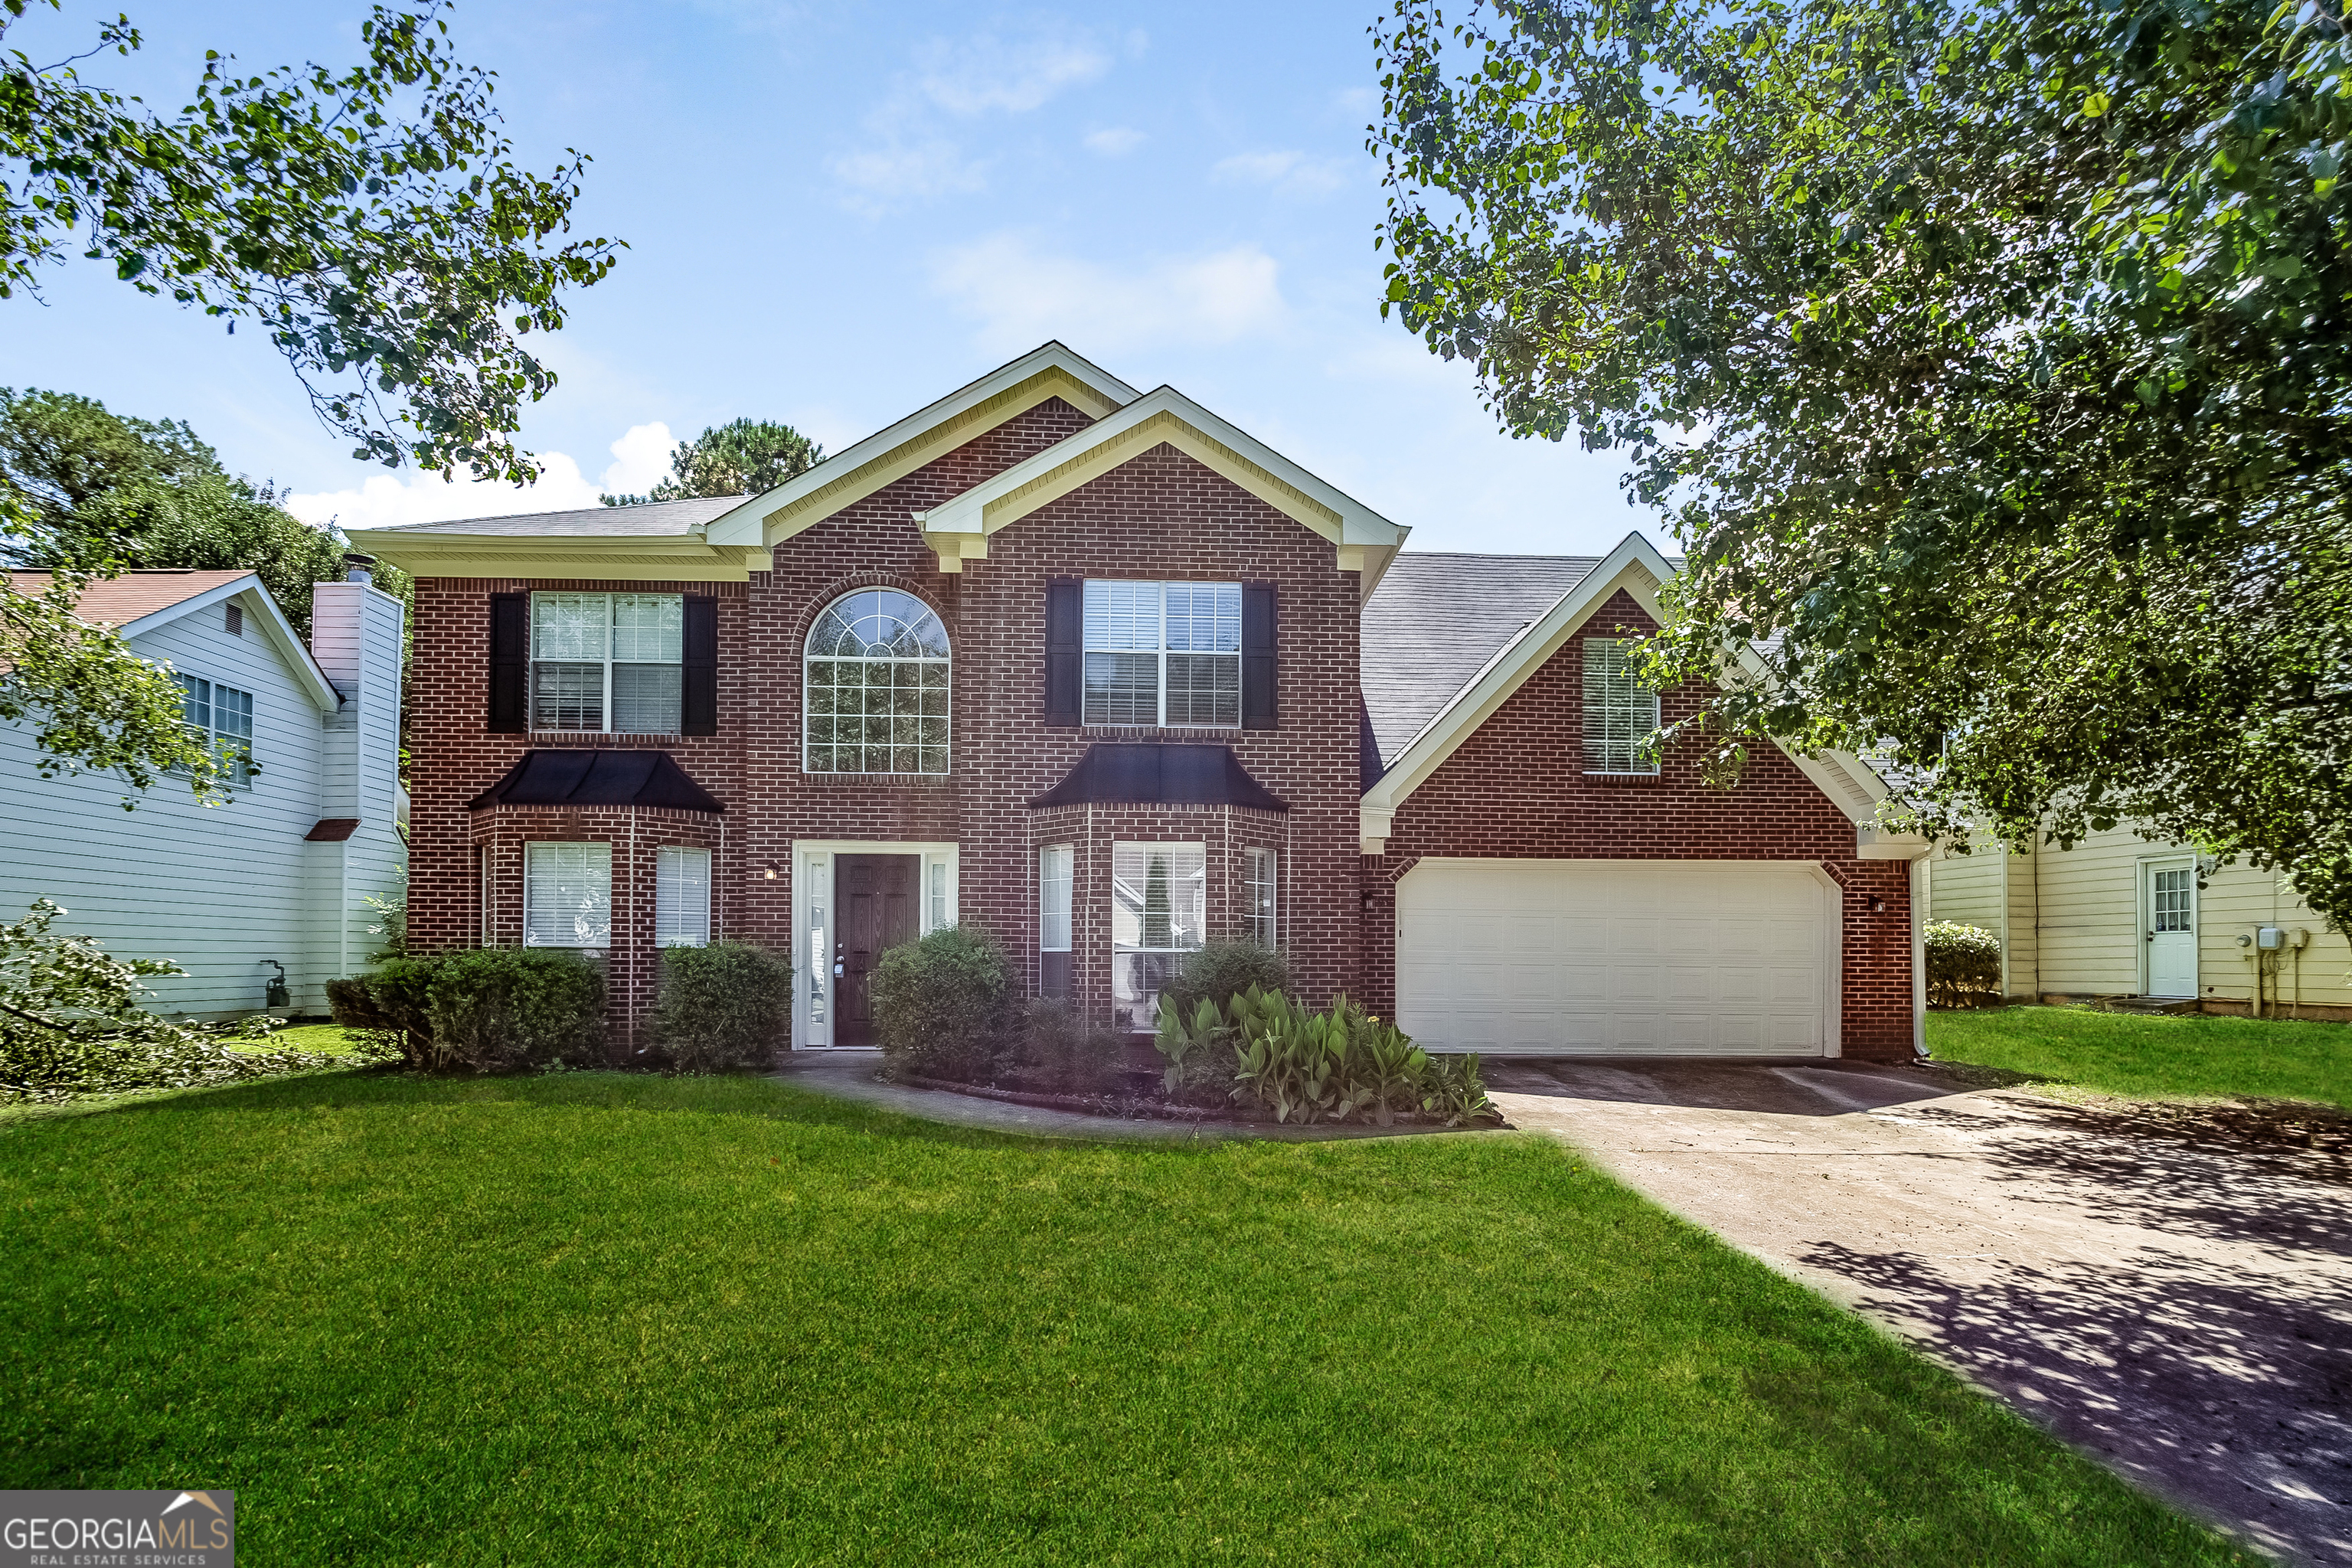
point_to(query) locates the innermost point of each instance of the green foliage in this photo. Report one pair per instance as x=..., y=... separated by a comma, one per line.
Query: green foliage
x=1963, y=964
x=391, y=911
x=1199, y=1047
x=1996, y=361
x=1305, y=1066
x=744, y=458
x=372, y=220
x=721, y=1008
x=1067, y=1054
x=73, y=1022
x=486, y=1009
x=1219, y=970
x=946, y=1007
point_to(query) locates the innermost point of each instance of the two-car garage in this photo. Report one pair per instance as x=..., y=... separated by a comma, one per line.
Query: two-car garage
x=1611, y=957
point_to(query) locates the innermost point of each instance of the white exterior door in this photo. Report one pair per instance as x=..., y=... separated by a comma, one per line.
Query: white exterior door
x=2168, y=897
x=1611, y=957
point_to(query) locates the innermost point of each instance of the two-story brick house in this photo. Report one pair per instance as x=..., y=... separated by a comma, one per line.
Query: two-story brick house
x=1101, y=672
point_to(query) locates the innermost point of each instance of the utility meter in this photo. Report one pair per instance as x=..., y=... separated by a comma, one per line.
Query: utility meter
x=2270, y=938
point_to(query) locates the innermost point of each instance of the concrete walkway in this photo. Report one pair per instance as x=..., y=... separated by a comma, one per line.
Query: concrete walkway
x=2174, y=1299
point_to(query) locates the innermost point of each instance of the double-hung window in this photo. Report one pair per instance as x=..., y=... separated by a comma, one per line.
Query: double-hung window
x=681, y=897
x=1158, y=905
x=1620, y=712
x=607, y=662
x=221, y=717
x=1054, y=879
x=567, y=895
x=1258, y=896
x=1164, y=654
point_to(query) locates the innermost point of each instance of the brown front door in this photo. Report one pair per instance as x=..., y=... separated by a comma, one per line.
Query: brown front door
x=874, y=895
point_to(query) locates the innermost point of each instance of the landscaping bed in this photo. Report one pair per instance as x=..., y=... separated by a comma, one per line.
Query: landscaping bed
x=596, y=1318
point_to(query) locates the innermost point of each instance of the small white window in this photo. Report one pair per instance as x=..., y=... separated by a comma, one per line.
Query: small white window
x=1258, y=895
x=1620, y=712
x=939, y=894
x=1164, y=654
x=681, y=897
x=1158, y=901
x=1054, y=863
x=610, y=663
x=485, y=882
x=221, y=716
x=568, y=895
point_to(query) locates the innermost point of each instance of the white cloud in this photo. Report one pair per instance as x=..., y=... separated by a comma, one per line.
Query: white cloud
x=640, y=458
x=1293, y=173
x=1022, y=296
x=1357, y=101
x=898, y=171
x=974, y=75
x=1115, y=142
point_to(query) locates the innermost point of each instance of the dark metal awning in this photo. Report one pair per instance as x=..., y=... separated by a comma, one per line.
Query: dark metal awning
x=597, y=778
x=1146, y=774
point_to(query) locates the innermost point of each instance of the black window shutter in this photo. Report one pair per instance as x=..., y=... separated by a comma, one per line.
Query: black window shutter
x=509, y=663
x=1258, y=662
x=1064, y=609
x=698, y=698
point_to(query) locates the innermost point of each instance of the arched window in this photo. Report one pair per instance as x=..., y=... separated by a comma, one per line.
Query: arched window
x=877, y=687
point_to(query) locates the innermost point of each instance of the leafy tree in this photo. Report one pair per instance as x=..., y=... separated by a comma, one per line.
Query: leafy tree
x=1993, y=363
x=741, y=459
x=370, y=220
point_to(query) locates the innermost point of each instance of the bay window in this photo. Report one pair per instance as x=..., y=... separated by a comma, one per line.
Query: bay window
x=1158, y=914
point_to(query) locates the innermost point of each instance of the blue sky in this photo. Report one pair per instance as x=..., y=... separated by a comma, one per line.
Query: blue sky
x=837, y=214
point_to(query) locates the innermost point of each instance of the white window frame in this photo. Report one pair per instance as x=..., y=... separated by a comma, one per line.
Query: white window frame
x=1119, y=849
x=947, y=661
x=1261, y=888
x=604, y=711
x=221, y=742
x=543, y=857
x=1056, y=885
x=1626, y=713
x=486, y=871
x=681, y=896
x=1088, y=650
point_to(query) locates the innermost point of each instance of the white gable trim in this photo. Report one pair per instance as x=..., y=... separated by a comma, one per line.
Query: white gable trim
x=847, y=477
x=1637, y=567
x=958, y=530
x=261, y=610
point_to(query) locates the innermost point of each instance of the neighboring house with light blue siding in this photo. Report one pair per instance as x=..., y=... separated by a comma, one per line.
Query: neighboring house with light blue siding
x=279, y=873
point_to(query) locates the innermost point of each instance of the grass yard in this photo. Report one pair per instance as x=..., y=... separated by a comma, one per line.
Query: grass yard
x=2125, y=1053
x=591, y=1319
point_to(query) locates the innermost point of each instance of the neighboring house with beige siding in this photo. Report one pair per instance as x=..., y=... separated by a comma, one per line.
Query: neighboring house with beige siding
x=277, y=874
x=2118, y=915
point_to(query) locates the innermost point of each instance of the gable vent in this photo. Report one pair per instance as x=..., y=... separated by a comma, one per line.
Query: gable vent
x=235, y=620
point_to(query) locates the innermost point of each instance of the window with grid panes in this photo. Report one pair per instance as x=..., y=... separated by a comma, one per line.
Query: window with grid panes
x=1620, y=712
x=609, y=663
x=877, y=687
x=1164, y=654
x=222, y=717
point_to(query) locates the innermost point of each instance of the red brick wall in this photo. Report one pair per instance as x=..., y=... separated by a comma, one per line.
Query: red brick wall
x=1516, y=788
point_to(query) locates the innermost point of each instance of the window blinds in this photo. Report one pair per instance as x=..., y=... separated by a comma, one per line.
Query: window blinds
x=568, y=895
x=1619, y=711
x=682, y=897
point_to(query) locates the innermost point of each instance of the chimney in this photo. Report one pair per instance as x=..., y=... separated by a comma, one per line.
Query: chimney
x=355, y=634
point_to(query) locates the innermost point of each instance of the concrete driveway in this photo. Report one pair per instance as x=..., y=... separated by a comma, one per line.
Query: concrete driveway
x=2166, y=1292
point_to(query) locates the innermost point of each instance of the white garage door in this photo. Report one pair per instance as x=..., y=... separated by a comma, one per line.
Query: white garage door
x=1638, y=957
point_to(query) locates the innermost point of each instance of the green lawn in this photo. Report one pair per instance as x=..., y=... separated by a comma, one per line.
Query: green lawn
x=597, y=1319
x=2125, y=1053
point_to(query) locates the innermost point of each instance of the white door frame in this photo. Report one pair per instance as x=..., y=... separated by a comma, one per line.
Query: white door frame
x=813, y=867
x=2144, y=900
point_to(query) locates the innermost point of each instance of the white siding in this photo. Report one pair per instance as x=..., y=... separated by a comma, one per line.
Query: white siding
x=214, y=889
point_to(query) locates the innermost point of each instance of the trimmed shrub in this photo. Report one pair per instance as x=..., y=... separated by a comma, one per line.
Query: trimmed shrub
x=1222, y=970
x=721, y=1008
x=1067, y=1054
x=946, y=1007
x=1963, y=965
x=490, y=1009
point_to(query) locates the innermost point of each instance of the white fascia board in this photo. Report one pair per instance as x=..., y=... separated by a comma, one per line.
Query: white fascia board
x=1359, y=525
x=258, y=608
x=1847, y=782
x=746, y=524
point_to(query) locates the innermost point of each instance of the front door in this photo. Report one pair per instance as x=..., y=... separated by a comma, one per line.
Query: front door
x=2171, y=900
x=874, y=900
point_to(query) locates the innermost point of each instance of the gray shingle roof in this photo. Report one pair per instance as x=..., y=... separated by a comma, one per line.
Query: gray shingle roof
x=661, y=517
x=1436, y=619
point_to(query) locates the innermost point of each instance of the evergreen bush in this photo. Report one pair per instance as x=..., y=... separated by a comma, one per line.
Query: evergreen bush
x=1221, y=971
x=485, y=1009
x=1963, y=965
x=721, y=1008
x=946, y=1007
